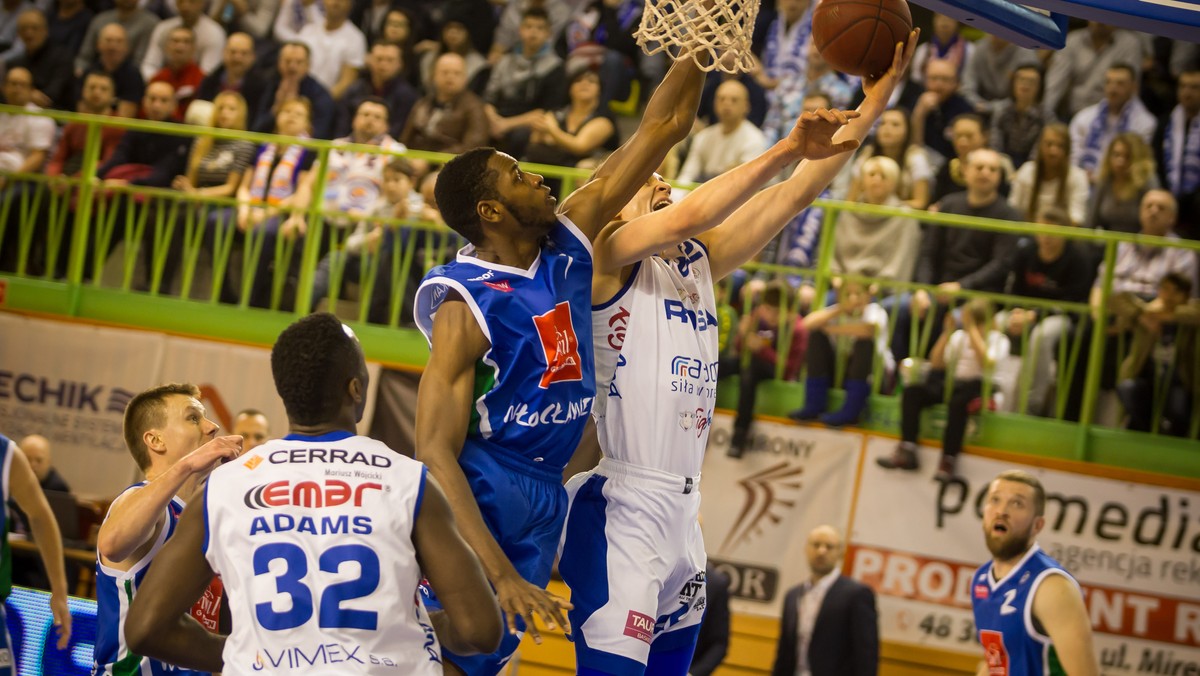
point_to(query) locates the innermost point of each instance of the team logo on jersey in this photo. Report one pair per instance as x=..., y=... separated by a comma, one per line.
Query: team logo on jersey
x=994, y=652
x=697, y=419
x=501, y=285
x=617, y=325
x=699, y=319
x=253, y=462
x=484, y=277
x=691, y=254
x=307, y=494
x=560, y=346
x=981, y=591
x=639, y=626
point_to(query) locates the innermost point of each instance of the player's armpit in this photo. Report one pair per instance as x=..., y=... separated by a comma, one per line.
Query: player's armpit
x=1058, y=607
x=471, y=621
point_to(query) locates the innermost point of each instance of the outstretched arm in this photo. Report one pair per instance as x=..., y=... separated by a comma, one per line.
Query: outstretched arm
x=27, y=492
x=668, y=119
x=751, y=227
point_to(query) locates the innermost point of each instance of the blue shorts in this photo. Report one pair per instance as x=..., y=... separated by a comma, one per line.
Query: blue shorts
x=524, y=510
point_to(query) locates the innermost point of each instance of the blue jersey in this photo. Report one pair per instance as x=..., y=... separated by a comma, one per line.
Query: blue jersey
x=535, y=386
x=1013, y=643
x=115, y=590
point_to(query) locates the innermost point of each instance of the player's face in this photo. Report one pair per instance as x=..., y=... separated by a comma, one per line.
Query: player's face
x=524, y=194
x=253, y=429
x=187, y=426
x=655, y=194
x=824, y=550
x=1009, y=519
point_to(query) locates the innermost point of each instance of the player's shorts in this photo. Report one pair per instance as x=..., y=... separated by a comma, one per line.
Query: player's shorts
x=633, y=556
x=524, y=508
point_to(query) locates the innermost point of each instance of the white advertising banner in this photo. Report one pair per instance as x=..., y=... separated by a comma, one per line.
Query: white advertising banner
x=1135, y=549
x=70, y=383
x=758, y=509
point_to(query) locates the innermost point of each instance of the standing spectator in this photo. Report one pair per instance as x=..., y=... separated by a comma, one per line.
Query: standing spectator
x=940, y=105
x=945, y=43
x=1177, y=144
x=383, y=79
x=294, y=15
x=573, y=135
x=877, y=246
x=180, y=69
x=732, y=141
x=524, y=84
x=713, y=643
x=253, y=427
x=784, y=62
x=253, y=17
x=987, y=75
x=1076, y=78
x=1051, y=179
x=1018, y=120
x=341, y=45
x=1164, y=349
x=1119, y=111
x=892, y=140
x=68, y=24
x=451, y=119
x=207, y=35
x=138, y=24
x=830, y=626
x=112, y=58
x=1126, y=175
x=455, y=39
x=235, y=74
x=293, y=82
x=50, y=64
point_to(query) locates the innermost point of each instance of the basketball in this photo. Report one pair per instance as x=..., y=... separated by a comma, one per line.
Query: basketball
x=859, y=37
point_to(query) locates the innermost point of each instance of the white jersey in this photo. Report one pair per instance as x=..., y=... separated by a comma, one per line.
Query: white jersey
x=656, y=363
x=313, y=538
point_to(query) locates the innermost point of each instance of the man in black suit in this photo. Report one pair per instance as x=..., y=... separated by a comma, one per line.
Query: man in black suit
x=829, y=626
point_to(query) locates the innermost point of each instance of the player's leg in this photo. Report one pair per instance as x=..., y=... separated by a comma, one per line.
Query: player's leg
x=684, y=598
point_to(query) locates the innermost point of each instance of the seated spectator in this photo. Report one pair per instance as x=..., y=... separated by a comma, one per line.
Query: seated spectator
x=945, y=43
x=1177, y=146
x=112, y=58
x=99, y=95
x=1051, y=179
x=138, y=24
x=938, y=107
x=854, y=326
x=877, y=246
x=758, y=334
x=398, y=30
x=524, y=84
x=1048, y=267
x=601, y=36
x=68, y=24
x=892, y=140
x=207, y=35
x=1077, y=74
x=455, y=39
x=50, y=64
x=508, y=30
x=1126, y=175
x=181, y=71
x=756, y=94
x=843, y=91
x=252, y=17
x=732, y=141
x=784, y=62
x=967, y=136
x=451, y=119
x=341, y=45
x=25, y=141
x=235, y=74
x=968, y=355
x=1094, y=127
x=291, y=83
x=383, y=79
x=987, y=75
x=1164, y=348
x=293, y=16
x=572, y=136
x=1017, y=121
x=37, y=451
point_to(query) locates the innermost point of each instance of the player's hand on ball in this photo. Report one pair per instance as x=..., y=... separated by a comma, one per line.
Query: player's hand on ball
x=519, y=598
x=884, y=85
x=812, y=137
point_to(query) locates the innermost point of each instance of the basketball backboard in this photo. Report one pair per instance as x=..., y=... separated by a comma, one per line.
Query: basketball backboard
x=1042, y=24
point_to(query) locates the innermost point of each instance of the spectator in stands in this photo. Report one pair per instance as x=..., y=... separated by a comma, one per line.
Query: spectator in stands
x=293, y=16
x=967, y=135
x=383, y=79
x=253, y=427
x=25, y=140
x=138, y=24
x=37, y=451
x=1119, y=111
x=602, y=36
x=341, y=45
x=853, y=326
x=217, y=166
x=955, y=259
x=1048, y=267
x=294, y=82
x=112, y=58
x=181, y=71
x=1018, y=120
x=235, y=74
x=145, y=157
x=508, y=30
x=354, y=182
x=1077, y=76
x=987, y=76
x=253, y=17
x=945, y=43
x=877, y=246
x=1126, y=175
x=713, y=81
x=68, y=24
x=892, y=140
x=938, y=107
x=759, y=334
x=843, y=91
x=1177, y=146
x=455, y=39
x=10, y=44
x=451, y=119
x=398, y=30
x=1164, y=348
x=968, y=355
x=207, y=35
x=50, y=64
x=730, y=142
x=99, y=95
x=573, y=135
x=1051, y=179
x=524, y=84
x=784, y=64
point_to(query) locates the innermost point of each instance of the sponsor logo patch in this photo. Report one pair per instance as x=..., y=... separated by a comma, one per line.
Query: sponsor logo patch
x=560, y=346
x=639, y=626
x=253, y=462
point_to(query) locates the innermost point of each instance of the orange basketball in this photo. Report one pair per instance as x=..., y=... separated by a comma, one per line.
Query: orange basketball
x=859, y=37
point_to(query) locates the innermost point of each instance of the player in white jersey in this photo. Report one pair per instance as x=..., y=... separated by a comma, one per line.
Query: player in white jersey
x=654, y=326
x=321, y=538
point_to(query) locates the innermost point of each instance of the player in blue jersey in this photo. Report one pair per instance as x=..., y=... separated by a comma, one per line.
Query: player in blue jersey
x=175, y=445
x=510, y=381
x=19, y=483
x=307, y=593
x=1029, y=611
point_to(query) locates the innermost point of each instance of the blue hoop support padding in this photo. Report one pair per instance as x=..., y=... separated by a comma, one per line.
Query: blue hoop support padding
x=1178, y=19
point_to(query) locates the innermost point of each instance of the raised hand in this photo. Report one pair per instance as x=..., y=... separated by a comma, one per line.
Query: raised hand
x=812, y=137
x=882, y=86
x=519, y=598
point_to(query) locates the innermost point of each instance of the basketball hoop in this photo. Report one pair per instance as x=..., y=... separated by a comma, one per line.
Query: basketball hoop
x=720, y=28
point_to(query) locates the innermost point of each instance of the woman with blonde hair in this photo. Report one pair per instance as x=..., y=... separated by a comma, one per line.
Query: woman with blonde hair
x=893, y=139
x=1050, y=179
x=877, y=246
x=1126, y=175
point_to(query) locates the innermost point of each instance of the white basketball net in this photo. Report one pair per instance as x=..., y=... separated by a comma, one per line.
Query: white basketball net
x=720, y=28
